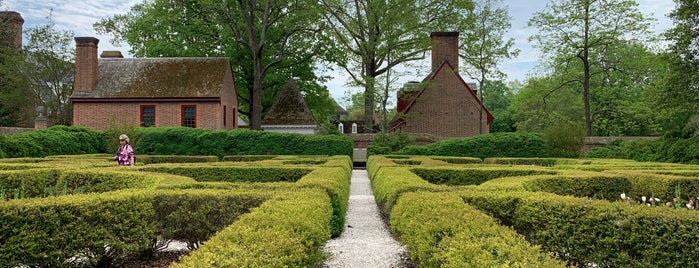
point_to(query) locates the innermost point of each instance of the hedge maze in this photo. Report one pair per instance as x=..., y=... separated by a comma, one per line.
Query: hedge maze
x=278, y=211
x=244, y=211
x=540, y=212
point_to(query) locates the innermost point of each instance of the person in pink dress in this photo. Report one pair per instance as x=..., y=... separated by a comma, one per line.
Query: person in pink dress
x=125, y=155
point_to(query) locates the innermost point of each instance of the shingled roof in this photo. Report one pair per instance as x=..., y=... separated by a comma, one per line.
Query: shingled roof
x=159, y=78
x=290, y=108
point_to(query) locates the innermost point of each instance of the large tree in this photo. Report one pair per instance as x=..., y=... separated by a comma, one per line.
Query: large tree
x=268, y=41
x=374, y=36
x=576, y=34
x=679, y=94
x=484, y=45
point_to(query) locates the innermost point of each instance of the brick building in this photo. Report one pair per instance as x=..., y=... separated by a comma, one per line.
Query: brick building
x=443, y=105
x=191, y=92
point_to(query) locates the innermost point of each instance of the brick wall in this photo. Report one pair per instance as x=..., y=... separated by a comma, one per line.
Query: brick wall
x=445, y=109
x=445, y=46
x=99, y=115
x=85, y=63
x=13, y=21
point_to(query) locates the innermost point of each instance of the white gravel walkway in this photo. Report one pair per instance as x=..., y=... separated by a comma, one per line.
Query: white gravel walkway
x=366, y=241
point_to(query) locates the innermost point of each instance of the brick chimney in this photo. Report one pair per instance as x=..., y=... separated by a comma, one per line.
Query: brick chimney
x=85, y=63
x=111, y=54
x=14, y=22
x=445, y=46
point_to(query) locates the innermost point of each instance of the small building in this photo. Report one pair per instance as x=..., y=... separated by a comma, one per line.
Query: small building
x=443, y=105
x=290, y=113
x=151, y=92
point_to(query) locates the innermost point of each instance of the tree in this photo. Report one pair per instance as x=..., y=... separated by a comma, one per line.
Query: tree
x=49, y=71
x=374, y=36
x=580, y=31
x=483, y=46
x=268, y=41
x=43, y=74
x=499, y=103
x=679, y=93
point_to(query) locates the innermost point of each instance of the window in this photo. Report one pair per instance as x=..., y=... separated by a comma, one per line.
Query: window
x=225, y=115
x=147, y=115
x=189, y=116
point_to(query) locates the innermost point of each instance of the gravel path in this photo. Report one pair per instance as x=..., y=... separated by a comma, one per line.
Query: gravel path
x=366, y=241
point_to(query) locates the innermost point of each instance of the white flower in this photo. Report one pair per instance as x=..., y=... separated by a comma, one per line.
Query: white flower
x=643, y=198
x=623, y=196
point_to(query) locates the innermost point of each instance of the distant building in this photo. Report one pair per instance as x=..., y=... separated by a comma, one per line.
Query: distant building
x=157, y=92
x=443, y=105
x=290, y=113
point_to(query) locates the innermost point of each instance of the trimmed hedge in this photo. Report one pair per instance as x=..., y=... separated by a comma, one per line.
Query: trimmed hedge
x=440, y=230
x=51, y=232
x=483, y=146
x=232, y=173
x=157, y=159
x=609, y=186
x=194, y=141
x=55, y=140
x=52, y=182
x=471, y=176
x=272, y=235
x=583, y=231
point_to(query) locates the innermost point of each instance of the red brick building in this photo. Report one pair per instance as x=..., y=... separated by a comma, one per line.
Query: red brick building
x=192, y=92
x=442, y=105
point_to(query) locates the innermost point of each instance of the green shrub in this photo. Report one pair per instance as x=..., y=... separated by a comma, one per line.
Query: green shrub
x=484, y=146
x=440, y=230
x=393, y=140
x=272, y=235
x=583, y=231
x=233, y=173
x=56, y=140
x=544, y=162
x=156, y=159
x=192, y=216
x=471, y=176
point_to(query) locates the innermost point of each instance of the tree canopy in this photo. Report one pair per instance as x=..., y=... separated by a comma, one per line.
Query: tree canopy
x=268, y=41
x=576, y=37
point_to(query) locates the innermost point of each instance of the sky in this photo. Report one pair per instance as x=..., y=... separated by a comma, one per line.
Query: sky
x=78, y=16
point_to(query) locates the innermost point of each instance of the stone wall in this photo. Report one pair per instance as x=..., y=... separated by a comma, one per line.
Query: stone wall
x=12, y=130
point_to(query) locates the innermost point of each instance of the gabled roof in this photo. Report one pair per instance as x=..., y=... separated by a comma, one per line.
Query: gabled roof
x=159, y=78
x=399, y=119
x=290, y=108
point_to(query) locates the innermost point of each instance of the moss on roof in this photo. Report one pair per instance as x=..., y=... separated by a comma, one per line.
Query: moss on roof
x=290, y=108
x=159, y=78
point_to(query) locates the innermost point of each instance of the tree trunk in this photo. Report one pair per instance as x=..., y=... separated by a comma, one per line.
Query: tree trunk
x=256, y=95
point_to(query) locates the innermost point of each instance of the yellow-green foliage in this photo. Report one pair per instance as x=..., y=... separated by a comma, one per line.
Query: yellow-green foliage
x=272, y=235
x=473, y=175
x=96, y=221
x=247, y=158
x=390, y=182
x=155, y=159
x=203, y=172
x=48, y=232
x=579, y=230
x=41, y=182
x=336, y=182
x=440, y=230
x=459, y=160
x=193, y=216
x=588, y=231
x=544, y=162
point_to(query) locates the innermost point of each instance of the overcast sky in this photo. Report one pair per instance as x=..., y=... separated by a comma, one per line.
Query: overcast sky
x=79, y=15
